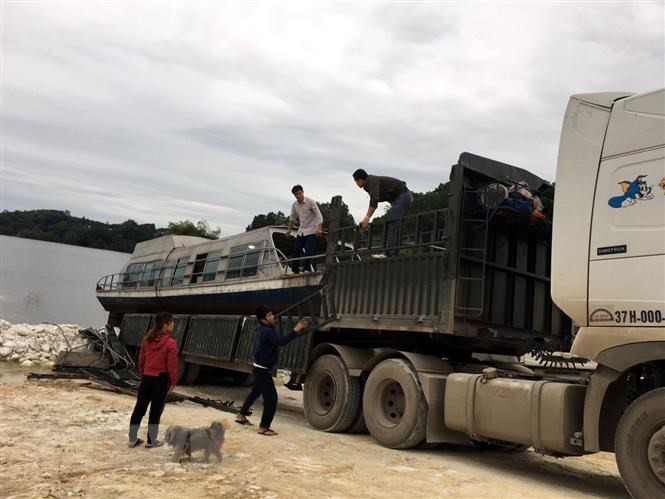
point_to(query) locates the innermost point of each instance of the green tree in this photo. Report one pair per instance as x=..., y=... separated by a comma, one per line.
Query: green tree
x=346, y=218
x=435, y=199
x=188, y=228
x=279, y=218
x=265, y=220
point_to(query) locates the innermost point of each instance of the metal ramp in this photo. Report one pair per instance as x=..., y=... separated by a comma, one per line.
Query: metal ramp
x=318, y=309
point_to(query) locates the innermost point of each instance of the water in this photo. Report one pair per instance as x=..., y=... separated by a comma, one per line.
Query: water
x=51, y=282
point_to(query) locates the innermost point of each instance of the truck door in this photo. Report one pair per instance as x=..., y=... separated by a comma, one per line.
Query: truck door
x=627, y=252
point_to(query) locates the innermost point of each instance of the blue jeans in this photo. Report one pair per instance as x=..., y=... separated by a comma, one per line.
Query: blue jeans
x=397, y=210
x=308, y=243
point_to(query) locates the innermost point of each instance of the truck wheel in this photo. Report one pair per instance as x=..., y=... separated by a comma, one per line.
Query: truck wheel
x=188, y=372
x=639, y=446
x=394, y=405
x=331, y=397
x=242, y=379
x=358, y=426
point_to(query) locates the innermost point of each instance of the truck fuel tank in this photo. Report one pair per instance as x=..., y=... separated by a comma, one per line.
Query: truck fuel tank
x=544, y=414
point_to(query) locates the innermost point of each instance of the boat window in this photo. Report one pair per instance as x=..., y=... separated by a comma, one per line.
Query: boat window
x=211, y=266
x=244, y=260
x=132, y=275
x=174, y=272
x=205, y=267
x=199, y=263
x=150, y=273
x=179, y=274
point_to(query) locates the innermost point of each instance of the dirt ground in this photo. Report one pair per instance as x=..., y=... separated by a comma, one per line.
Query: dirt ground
x=58, y=439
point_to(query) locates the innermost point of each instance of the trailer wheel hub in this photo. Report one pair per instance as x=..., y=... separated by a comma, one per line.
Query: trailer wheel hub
x=391, y=403
x=326, y=394
x=656, y=453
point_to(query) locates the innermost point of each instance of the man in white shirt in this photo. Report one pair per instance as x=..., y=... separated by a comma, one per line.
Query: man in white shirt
x=306, y=212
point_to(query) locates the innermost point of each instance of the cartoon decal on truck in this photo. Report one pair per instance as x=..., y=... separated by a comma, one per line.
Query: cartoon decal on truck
x=634, y=191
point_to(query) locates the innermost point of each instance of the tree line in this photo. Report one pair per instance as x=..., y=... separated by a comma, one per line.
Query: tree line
x=61, y=227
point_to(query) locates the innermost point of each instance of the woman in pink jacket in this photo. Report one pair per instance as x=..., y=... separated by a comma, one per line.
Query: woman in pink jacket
x=158, y=367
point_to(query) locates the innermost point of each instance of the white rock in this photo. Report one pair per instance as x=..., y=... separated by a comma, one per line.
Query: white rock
x=26, y=363
x=37, y=343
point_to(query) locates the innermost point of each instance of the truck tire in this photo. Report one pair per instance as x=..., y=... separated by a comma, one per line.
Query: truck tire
x=331, y=397
x=188, y=372
x=639, y=446
x=394, y=405
x=358, y=426
x=241, y=378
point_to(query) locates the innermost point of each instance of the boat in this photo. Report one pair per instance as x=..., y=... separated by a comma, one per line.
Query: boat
x=195, y=275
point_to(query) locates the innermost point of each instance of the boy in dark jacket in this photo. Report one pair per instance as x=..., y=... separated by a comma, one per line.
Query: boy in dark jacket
x=266, y=342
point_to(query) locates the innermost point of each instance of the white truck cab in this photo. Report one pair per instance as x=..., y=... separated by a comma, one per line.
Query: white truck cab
x=608, y=258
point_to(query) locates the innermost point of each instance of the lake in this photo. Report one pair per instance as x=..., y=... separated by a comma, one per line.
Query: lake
x=51, y=282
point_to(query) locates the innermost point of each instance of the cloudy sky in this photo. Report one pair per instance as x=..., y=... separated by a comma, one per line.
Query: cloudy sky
x=212, y=111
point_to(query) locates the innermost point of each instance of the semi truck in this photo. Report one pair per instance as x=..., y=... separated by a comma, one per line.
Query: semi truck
x=428, y=347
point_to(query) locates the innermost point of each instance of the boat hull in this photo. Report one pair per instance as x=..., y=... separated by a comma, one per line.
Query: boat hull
x=222, y=303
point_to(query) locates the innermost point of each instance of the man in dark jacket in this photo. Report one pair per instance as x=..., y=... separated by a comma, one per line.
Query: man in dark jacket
x=382, y=189
x=266, y=342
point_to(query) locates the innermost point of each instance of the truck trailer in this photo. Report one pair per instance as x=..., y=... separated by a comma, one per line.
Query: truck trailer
x=427, y=347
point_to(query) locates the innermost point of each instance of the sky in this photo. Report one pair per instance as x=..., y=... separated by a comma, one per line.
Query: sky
x=160, y=112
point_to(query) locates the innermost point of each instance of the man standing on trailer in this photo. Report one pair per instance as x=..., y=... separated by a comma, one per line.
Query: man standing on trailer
x=306, y=212
x=385, y=189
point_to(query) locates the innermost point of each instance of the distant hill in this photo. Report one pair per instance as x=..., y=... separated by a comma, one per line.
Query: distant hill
x=62, y=227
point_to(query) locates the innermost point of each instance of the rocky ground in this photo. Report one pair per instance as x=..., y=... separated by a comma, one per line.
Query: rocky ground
x=35, y=345
x=61, y=439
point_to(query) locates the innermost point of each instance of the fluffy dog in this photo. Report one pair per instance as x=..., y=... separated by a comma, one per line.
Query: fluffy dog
x=188, y=440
